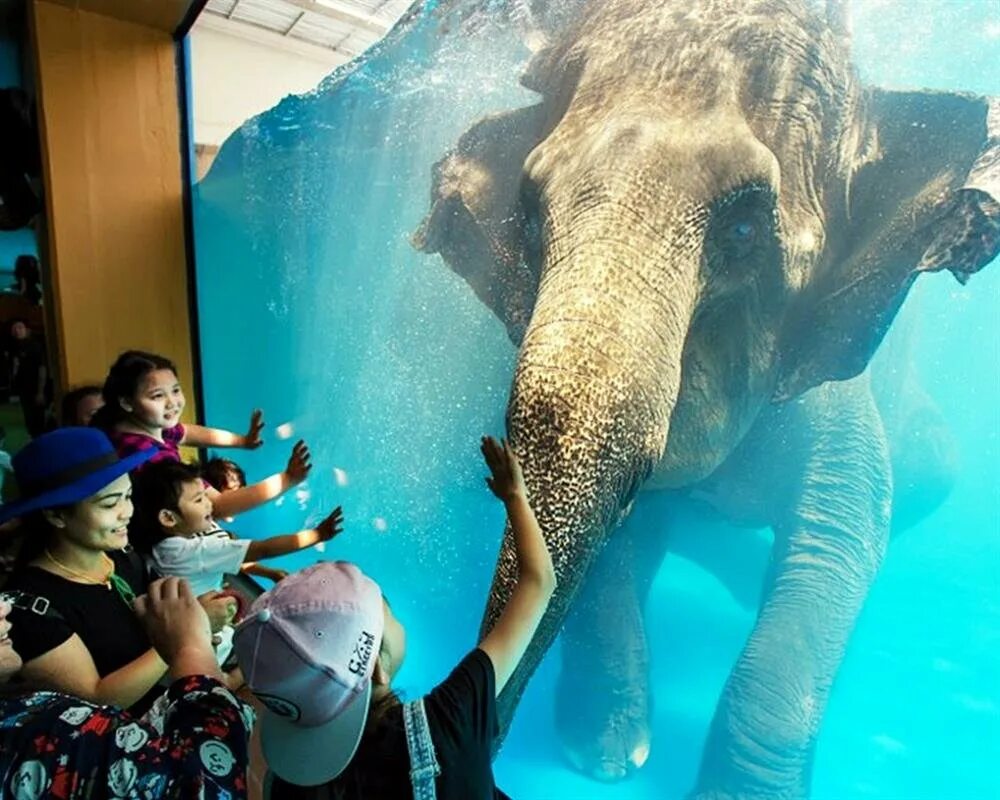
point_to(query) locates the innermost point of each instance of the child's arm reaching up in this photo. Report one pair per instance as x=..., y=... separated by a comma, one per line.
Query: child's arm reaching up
x=536, y=580
x=200, y=436
x=236, y=501
x=292, y=542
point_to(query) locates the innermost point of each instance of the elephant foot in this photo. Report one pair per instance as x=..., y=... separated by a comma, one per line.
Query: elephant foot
x=605, y=737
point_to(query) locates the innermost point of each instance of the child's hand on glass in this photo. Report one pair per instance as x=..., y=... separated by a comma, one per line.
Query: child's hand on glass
x=252, y=440
x=506, y=480
x=332, y=525
x=299, y=464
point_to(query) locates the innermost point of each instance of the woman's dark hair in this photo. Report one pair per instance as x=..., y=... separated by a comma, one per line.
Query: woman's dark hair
x=67, y=410
x=156, y=487
x=124, y=379
x=35, y=533
x=215, y=471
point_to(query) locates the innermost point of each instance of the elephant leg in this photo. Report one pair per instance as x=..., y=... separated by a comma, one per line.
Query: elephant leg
x=829, y=544
x=602, y=695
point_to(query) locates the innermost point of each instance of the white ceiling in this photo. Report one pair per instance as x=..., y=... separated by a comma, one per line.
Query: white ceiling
x=347, y=27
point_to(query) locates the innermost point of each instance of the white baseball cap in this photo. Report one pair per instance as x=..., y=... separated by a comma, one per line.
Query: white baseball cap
x=308, y=648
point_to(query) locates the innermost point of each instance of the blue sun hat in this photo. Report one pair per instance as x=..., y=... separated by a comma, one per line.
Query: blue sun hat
x=64, y=467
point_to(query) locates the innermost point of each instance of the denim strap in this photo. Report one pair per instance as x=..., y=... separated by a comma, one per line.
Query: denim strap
x=423, y=760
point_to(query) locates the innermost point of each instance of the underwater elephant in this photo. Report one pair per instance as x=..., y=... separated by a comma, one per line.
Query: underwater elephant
x=824, y=460
x=707, y=214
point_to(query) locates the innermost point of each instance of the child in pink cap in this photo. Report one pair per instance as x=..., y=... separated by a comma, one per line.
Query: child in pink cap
x=320, y=651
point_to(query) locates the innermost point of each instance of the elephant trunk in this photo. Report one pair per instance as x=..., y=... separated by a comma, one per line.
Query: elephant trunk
x=596, y=382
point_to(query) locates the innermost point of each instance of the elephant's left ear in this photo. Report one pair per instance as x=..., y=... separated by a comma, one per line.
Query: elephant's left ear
x=925, y=197
x=478, y=221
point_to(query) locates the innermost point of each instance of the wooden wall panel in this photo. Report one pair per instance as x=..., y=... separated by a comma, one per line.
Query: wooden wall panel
x=165, y=15
x=108, y=108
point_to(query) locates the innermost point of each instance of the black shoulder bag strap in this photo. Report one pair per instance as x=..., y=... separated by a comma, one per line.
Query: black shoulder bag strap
x=22, y=601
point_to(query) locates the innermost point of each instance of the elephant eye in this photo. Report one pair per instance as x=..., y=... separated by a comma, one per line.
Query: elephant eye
x=741, y=236
x=743, y=227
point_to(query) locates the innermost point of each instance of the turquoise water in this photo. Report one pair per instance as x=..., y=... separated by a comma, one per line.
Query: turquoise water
x=315, y=307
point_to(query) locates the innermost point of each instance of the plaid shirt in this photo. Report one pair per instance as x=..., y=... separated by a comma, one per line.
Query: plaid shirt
x=168, y=450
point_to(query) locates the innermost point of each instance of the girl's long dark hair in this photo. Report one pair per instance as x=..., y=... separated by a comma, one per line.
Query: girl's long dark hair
x=357, y=780
x=123, y=381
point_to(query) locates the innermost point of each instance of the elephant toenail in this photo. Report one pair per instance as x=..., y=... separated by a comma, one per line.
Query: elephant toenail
x=639, y=755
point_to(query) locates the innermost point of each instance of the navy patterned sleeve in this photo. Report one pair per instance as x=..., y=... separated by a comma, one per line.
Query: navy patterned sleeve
x=192, y=746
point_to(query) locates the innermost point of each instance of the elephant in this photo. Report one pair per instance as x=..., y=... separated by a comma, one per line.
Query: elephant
x=697, y=240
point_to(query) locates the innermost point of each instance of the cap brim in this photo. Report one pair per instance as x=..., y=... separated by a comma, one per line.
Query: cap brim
x=312, y=756
x=77, y=491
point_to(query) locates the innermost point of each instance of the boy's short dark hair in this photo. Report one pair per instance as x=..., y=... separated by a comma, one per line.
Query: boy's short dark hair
x=156, y=487
x=216, y=469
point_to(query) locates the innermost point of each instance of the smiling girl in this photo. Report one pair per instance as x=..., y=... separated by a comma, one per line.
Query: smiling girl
x=142, y=412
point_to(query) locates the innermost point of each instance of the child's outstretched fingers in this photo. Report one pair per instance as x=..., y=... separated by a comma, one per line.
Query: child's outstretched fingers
x=501, y=480
x=332, y=525
x=299, y=463
x=252, y=440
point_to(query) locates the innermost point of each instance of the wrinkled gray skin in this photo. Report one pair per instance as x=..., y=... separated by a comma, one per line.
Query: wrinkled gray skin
x=705, y=215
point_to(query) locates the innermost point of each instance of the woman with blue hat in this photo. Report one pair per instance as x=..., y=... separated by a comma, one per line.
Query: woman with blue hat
x=79, y=633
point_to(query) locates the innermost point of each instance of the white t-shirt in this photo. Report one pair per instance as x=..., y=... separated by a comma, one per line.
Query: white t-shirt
x=203, y=558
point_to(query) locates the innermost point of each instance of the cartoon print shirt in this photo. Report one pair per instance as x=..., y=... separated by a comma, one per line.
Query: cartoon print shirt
x=56, y=746
x=168, y=450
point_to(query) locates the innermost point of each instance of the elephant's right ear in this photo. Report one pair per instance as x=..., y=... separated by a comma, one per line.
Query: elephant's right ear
x=925, y=197
x=477, y=220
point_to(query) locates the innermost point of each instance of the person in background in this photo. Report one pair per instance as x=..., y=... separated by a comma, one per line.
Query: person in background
x=79, y=406
x=223, y=475
x=143, y=405
x=28, y=279
x=57, y=745
x=76, y=501
x=30, y=376
x=321, y=650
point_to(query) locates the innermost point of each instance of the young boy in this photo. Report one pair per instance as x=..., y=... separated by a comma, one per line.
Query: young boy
x=174, y=530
